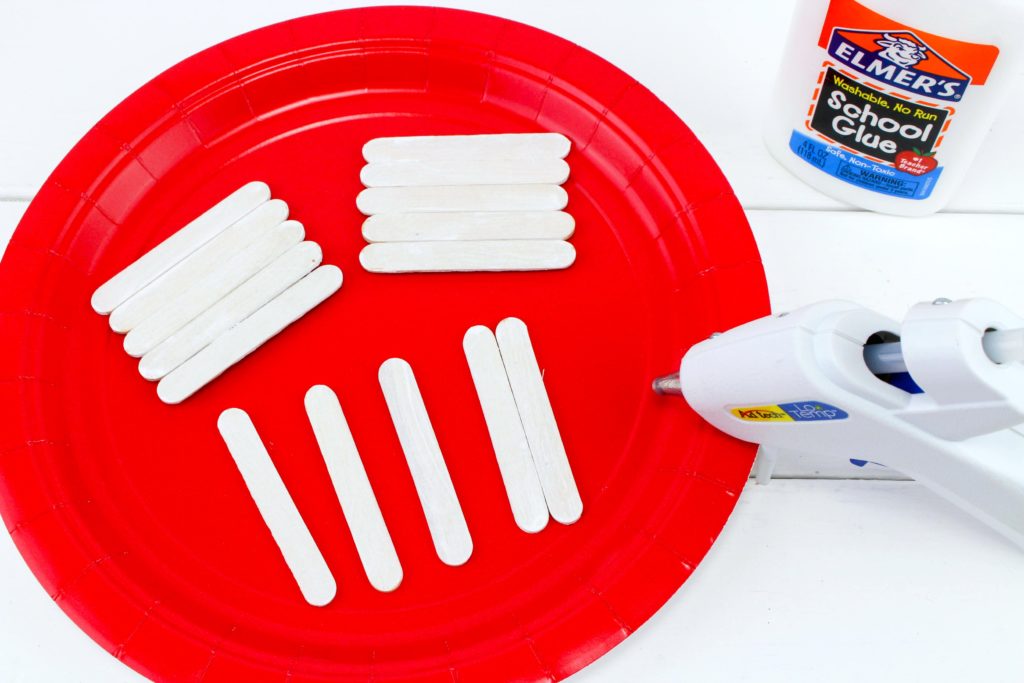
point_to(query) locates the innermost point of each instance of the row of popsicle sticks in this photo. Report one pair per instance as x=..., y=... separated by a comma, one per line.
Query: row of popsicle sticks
x=466, y=203
x=215, y=291
x=531, y=458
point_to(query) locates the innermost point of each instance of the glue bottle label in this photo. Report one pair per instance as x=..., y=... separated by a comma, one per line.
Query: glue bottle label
x=885, y=100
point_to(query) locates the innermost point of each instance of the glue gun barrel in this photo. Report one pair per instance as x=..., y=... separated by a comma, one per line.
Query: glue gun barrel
x=1001, y=346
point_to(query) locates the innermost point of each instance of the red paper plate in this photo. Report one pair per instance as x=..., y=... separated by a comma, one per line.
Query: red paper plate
x=131, y=513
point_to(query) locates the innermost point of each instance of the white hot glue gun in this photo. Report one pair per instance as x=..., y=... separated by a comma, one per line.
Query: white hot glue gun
x=939, y=397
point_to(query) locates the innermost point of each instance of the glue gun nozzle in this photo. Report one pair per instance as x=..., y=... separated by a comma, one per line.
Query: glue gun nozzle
x=669, y=384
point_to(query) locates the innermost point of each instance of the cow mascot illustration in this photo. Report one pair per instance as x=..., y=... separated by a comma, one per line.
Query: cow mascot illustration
x=901, y=51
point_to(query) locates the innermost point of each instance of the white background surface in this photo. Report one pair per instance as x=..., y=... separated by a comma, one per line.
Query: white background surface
x=814, y=579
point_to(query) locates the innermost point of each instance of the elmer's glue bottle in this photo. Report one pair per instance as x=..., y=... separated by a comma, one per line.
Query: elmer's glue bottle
x=883, y=104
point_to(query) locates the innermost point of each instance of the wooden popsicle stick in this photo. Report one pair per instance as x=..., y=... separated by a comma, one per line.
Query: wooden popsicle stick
x=447, y=171
x=469, y=225
x=249, y=335
x=204, y=261
x=208, y=290
x=178, y=246
x=365, y=521
x=238, y=305
x=275, y=504
x=423, y=454
x=432, y=198
x=466, y=256
x=518, y=472
x=563, y=498
x=487, y=146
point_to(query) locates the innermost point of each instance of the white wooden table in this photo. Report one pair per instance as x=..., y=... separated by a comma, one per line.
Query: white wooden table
x=818, y=576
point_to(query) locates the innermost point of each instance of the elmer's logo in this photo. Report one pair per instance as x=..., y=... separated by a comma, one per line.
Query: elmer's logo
x=801, y=411
x=901, y=59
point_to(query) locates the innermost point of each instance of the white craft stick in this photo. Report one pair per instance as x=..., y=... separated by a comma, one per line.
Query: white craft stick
x=275, y=504
x=518, y=472
x=208, y=290
x=478, y=225
x=429, y=473
x=466, y=256
x=447, y=171
x=490, y=146
x=285, y=271
x=432, y=198
x=249, y=335
x=527, y=384
x=172, y=250
x=365, y=522
x=205, y=260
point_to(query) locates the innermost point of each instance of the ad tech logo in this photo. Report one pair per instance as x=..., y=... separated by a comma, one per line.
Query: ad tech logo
x=801, y=411
x=901, y=59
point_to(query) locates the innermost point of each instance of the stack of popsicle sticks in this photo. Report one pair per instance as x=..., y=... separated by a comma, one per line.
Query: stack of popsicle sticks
x=215, y=291
x=466, y=203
